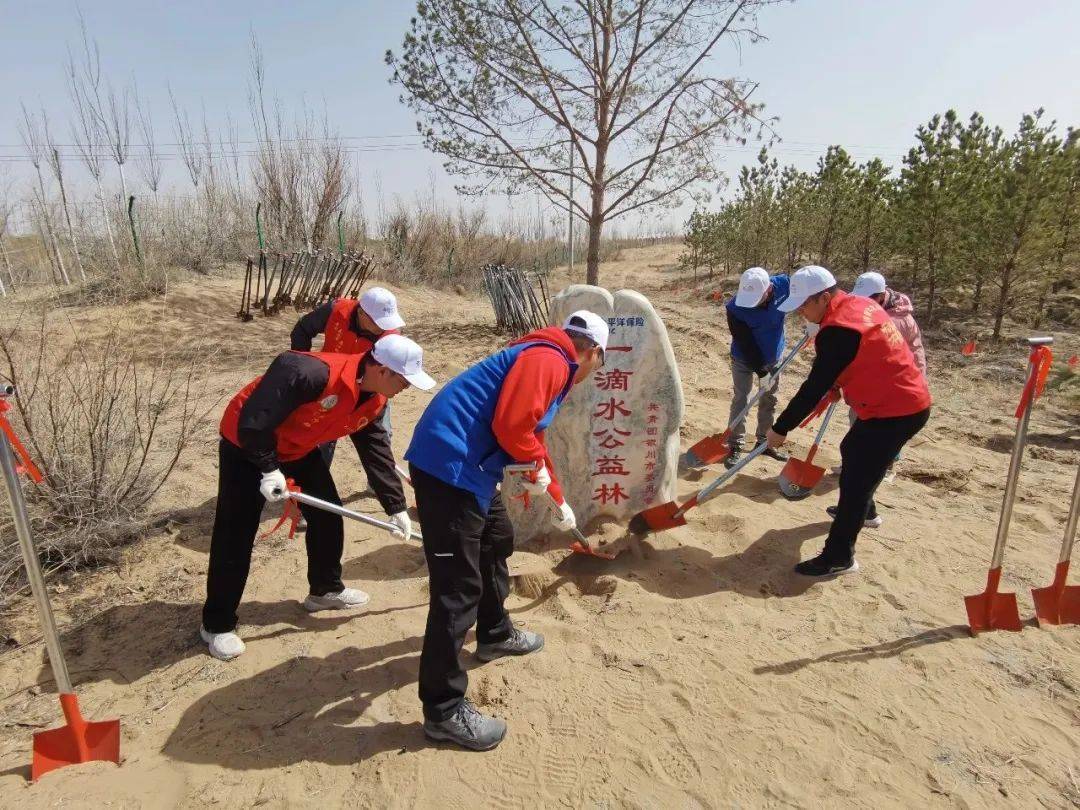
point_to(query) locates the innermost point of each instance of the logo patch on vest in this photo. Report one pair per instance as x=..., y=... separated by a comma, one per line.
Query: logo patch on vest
x=328, y=402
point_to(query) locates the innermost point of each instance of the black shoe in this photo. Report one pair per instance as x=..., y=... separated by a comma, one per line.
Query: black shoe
x=519, y=642
x=775, y=452
x=822, y=567
x=870, y=523
x=733, y=456
x=468, y=728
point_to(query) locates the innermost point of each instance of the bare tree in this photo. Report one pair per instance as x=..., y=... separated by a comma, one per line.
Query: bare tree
x=52, y=157
x=189, y=149
x=5, y=217
x=84, y=86
x=116, y=124
x=36, y=149
x=515, y=92
x=149, y=161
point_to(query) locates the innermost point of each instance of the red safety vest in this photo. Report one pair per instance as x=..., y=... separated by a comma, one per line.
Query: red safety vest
x=883, y=380
x=333, y=415
x=339, y=336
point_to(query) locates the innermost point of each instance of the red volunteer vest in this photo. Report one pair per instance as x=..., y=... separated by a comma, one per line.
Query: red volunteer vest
x=333, y=415
x=339, y=337
x=883, y=380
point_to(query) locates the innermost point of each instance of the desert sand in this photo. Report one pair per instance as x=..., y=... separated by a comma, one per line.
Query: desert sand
x=695, y=670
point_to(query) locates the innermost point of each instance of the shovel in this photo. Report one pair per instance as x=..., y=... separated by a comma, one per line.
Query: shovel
x=991, y=610
x=799, y=477
x=581, y=544
x=715, y=448
x=326, y=506
x=669, y=515
x=1059, y=603
x=79, y=740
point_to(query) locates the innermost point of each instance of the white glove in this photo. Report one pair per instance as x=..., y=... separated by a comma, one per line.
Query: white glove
x=403, y=524
x=812, y=328
x=540, y=485
x=273, y=486
x=564, y=519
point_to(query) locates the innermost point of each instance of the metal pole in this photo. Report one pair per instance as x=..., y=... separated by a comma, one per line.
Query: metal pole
x=333, y=508
x=33, y=567
x=1019, y=443
x=570, y=206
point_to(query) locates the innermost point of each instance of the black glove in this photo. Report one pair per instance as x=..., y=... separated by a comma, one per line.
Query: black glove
x=765, y=371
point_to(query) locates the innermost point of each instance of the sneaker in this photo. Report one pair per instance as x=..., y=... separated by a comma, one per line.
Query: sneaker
x=468, y=728
x=890, y=475
x=223, y=646
x=348, y=598
x=870, y=523
x=733, y=456
x=836, y=470
x=821, y=567
x=519, y=642
x=775, y=452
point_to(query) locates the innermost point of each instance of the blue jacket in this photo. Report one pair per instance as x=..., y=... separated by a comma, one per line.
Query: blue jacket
x=765, y=324
x=453, y=440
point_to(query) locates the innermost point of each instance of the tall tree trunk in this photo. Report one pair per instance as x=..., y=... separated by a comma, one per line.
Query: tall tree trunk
x=59, y=259
x=931, y=280
x=976, y=302
x=1003, y=298
x=67, y=216
x=7, y=263
x=123, y=186
x=108, y=223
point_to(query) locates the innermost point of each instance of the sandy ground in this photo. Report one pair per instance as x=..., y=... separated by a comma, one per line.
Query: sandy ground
x=695, y=670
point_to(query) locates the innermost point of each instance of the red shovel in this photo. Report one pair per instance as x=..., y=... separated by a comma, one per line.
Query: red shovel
x=991, y=610
x=715, y=448
x=581, y=544
x=1059, y=603
x=79, y=740
x=799, y=477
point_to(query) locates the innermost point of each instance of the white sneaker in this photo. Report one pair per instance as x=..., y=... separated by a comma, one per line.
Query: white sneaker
x=348, y=598
x=223, y=646
x=890, y=475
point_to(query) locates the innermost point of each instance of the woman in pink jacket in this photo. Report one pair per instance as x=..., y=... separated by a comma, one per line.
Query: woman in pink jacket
x=872, y=285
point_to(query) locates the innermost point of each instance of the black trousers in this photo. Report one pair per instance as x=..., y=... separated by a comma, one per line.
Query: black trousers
x=866, y=452
x=468, y=579
x=236, y=522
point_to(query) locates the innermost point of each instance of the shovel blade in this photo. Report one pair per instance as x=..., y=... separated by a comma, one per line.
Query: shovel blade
x=66, y=745
x=657, y=518
x=707, y=451
x=993, y=611
x=1055, y=605
x=580, y=548
x=799, y=477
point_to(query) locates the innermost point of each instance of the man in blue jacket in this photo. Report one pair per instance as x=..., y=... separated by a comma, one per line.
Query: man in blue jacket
x=757, y=342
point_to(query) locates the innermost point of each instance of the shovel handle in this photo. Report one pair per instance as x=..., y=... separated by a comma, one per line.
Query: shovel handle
x=333, y=508
x=1070, y=522
x=706, y=491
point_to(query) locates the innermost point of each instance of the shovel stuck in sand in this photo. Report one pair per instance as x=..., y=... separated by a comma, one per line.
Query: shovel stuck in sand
x=79, y=740
x=1059, y=603
x=799, y=477
x=991, y=610
x=669, y=515
x=715, y=448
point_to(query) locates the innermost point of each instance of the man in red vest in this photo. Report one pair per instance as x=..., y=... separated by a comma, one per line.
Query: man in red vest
x=273, y=429
x=861, y=352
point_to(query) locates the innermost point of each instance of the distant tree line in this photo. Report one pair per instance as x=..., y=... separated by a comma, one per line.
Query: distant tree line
x=971, y=219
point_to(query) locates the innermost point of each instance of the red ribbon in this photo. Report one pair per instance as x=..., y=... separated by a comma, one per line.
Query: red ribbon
x=291, y=512
x=1041, y=357
x=27, y=465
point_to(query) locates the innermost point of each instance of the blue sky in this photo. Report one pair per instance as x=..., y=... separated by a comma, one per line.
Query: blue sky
x=862, y=74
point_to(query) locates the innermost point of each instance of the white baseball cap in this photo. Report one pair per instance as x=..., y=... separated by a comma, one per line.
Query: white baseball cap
x=402, y=355
x=806, y=281
x=381, y=306
x=868, y=284
x=752, y=286
x=589, y=324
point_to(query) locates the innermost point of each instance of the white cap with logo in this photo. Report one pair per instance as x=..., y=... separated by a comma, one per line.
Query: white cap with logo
x=870, y=283
x=752, y=286
x=589, y=324
x=381, y=306
x=806, y=281
x=402, y=355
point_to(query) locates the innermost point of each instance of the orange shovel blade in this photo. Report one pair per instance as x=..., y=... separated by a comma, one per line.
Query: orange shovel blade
x=1058, y=603
x=79, y=741
x=993, y=611
x=709, y=450
x=799, y=477
x=580, y=548
x=657, y=518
